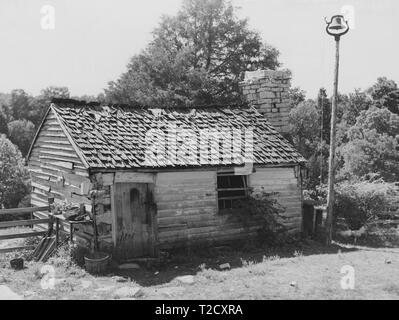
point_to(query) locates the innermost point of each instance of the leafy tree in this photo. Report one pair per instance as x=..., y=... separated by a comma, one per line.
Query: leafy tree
x=296, y=96
x=373, y=145
x=42, y=102
x=385, y=93
x=304, y=127
x=21, y=133
x=4, y=118
x=13, y=174
x=355, y=103
x=196, y=57
x=20, y=104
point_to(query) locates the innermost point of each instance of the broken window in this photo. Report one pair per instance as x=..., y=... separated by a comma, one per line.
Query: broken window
x=231, y=189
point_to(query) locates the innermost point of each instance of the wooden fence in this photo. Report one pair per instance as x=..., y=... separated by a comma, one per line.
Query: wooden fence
x=15, y=223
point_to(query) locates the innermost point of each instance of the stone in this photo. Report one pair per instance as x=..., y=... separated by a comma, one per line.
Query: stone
x=119, y=279
x=128, y=292
x=225, y=266
x=29, y=293
x=267, y=95
x=7, y=294
x=127, y=266
x=186, y=279
x=170, y=291
x=293, y=284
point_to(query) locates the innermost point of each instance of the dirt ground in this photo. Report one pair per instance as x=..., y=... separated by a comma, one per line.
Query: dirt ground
x=304, y=271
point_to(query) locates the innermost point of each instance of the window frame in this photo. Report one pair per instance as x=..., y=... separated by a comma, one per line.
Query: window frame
x=245, y=188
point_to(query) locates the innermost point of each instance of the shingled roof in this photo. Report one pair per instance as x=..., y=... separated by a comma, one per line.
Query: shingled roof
x=117, y=137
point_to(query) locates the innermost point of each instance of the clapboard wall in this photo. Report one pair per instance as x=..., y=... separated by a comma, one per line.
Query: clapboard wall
x=287, y=186
x=55, y=168
x=188, y=211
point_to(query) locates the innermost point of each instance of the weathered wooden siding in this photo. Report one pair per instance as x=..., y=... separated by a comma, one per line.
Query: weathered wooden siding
x=187, y=210
x=56, y=169
x=287, y=186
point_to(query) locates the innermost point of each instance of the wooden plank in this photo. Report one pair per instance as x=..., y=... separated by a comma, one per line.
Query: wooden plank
x=7, y=224
x=134, y=177
x=40, y=186
x=5, y=250
x=172, y=178
x=24, y=210
x=75, y=179
x=186, y=204
x=22, y=235
x=108, y=179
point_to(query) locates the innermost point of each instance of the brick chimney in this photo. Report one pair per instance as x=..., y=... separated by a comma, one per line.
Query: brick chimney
x=267, y=90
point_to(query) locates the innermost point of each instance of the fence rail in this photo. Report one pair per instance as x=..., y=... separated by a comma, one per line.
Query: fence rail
x=16, y=211
x=30, y=222
x=16, y=223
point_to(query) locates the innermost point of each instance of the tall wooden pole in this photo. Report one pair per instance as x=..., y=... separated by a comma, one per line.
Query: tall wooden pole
x=331, y=161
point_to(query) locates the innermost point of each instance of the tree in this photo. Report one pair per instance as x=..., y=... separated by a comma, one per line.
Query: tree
x=296, y=96
x=13, y=174
x=4, y=118
x=196, y=57
x=42, y=102
x=373, y=145
x=385, y=94
x=20, y=104
x=21, y=133
x=304, y=127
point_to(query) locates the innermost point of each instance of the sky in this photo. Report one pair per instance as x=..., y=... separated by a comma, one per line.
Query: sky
x=89, y=43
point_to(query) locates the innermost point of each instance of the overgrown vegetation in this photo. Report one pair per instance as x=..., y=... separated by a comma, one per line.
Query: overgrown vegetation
x=367, y=148
x=364, y=201
x=263, y=207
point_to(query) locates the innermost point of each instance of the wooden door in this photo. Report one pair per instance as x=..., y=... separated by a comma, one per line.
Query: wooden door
x=136, y=225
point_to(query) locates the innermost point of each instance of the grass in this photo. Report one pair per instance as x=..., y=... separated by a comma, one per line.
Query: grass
x=301, y=271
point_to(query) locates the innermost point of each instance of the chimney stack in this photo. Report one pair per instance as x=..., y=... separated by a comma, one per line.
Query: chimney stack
x=267, y=90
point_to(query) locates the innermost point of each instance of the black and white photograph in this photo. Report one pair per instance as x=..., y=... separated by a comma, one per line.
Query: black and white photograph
x=176, y=153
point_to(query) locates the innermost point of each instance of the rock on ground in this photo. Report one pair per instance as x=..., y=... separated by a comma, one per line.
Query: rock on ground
x=186, y=279
x=170, y=291
x=127, y=292
x=224, y=266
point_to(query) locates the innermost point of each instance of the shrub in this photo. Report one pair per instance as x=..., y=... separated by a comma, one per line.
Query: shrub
x=69, y=255
x=13, y=175
x=363, y=201
x=262, y=205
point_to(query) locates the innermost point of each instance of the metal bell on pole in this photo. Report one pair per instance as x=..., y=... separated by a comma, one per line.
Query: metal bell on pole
x=337, y=23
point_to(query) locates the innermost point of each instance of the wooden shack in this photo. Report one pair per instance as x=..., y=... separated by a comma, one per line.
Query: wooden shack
x=161, y=178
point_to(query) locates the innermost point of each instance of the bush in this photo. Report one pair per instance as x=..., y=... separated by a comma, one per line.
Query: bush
x=362, y=202
x=13, y=175
x=69, y=255
x=264, y=206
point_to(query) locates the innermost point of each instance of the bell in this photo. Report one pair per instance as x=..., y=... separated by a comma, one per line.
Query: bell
x=337, y=23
